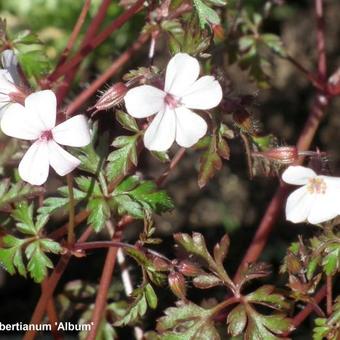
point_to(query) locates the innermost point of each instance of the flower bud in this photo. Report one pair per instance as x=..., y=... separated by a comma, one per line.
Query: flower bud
x=283, y=154
x=187, y=268
x=113, y=96
x=177, y=284
x=160, y=264
x=334, y=83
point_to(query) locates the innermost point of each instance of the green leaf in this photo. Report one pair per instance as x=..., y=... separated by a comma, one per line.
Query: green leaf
x=265, y=296
x=23, y=214
x=151, y=296
x=331, y=259
x=16, y=192
x=99, y=213
x=38, y=262
x=121, y=160
x=221, y=250
x=194, y=245
x=133, y=197
x=210, y=163
x=274, y=42
x=11, y=256
x=205, y=281
x=206, y=15
x=187, y=321
x=126, y=121
x=144, y=296
x=237, y=320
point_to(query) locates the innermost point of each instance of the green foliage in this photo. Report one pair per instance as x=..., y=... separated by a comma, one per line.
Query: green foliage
x=245, y=319
x=34, y=246
x=15, y=192
x=206, y=14
x=133, y=197
x=187, y=321
x=121, y=160
x=328, y=328
x=211, y=159
x=31, y=55
x=143, y=297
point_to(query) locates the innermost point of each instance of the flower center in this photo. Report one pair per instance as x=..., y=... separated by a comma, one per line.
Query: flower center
x=171, y=101
x=46, y=135
x=316, y=186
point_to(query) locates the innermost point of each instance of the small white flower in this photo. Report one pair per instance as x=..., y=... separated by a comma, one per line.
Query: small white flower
x=317, y=201
x=9, y=79
x=182, y=91
x=36, y=121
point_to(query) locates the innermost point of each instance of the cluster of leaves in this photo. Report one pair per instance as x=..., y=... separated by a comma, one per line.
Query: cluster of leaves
x=191, y=321
x=33, y=246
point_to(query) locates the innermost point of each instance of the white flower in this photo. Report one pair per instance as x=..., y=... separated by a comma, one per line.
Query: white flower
x=36, y=121
x=182, y=91
x=9, y=78
x=317, y=201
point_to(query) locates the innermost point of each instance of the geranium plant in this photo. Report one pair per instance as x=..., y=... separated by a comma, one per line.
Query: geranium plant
x=101, y=174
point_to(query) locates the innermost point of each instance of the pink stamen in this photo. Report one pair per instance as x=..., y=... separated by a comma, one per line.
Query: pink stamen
x=171, y=101
x=46, y=135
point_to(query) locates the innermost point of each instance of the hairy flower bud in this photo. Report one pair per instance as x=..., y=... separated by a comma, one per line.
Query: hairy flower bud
x=177, y=284
x=113, y=96
x=283, y=154
x=188, y=268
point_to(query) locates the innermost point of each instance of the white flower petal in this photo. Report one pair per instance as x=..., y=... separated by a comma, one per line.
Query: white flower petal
x=16, y=122
x=60, y=160
x=297, y=175
x=42, y=106
x=160, y=134
x=205, y=93
x=181, y=73
x=34, y=166
x=6, y=83
x=299, y=204
x=73, y=132
x=144, y=101
x=326, y=205
x=10, y=62
x=190, y=127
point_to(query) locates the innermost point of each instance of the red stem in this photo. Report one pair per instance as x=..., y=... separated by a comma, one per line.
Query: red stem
x=300, y=317
x=104, y=285
x=117, y=64
x=50, y=286
x=320, y=40
x=329, y=285
x=95, y=42
x=75, y=32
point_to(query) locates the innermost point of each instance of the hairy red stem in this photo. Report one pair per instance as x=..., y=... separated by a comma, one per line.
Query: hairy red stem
x=95, y=42
x=117, y=64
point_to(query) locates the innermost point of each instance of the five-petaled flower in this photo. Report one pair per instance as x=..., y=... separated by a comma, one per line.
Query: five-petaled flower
x=182, y=91
x=36, y=121
x=9, y=81
x=317, y=201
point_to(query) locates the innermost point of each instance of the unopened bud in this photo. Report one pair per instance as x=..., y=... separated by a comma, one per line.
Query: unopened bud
x=218, y=31
x=113, y=96
x=334, y=83
x=177, y=284
x=160, y=264
x=187, y=268
x=283, y=154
